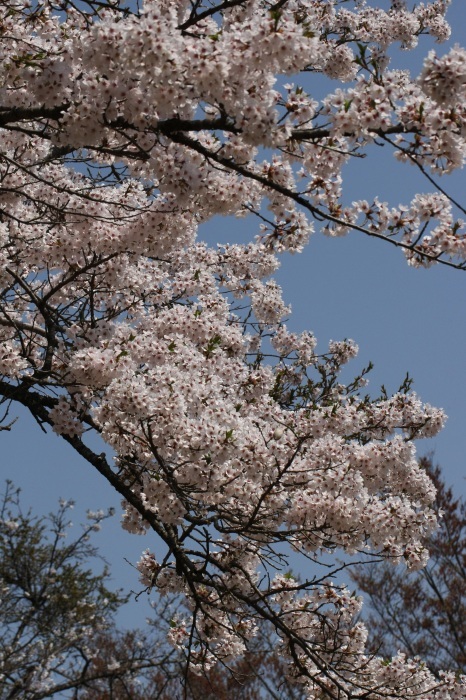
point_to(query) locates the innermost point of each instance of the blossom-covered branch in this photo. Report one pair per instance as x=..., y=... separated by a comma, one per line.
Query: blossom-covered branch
x=226, y=70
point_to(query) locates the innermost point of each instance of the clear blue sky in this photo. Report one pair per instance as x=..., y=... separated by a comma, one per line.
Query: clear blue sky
x=404, y=320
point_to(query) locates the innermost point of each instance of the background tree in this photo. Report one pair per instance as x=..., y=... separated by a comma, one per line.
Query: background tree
x=423, y=613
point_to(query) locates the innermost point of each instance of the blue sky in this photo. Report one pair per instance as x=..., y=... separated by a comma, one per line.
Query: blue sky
x=403, y=319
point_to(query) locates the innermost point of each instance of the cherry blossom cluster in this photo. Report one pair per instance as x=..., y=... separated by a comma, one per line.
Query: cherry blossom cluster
x=412, y=220
x=186, y=110
x=327, y=620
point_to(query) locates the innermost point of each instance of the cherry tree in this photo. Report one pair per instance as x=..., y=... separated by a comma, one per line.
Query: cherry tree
x=123, y=129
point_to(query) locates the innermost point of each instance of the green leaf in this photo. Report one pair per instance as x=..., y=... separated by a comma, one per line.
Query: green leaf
x=213, y=343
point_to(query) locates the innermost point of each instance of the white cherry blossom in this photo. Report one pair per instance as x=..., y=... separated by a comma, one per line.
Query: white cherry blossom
x=122, y=131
